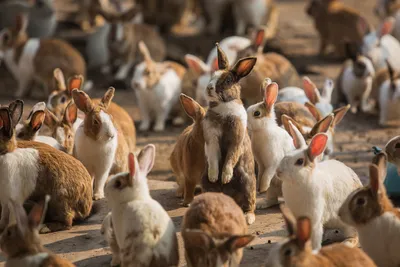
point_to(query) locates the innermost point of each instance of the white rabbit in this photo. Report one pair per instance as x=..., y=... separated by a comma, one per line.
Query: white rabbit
x=269, y=142
x=317, y=189
x=310, y=93
x=389, y=98
x=144, y=231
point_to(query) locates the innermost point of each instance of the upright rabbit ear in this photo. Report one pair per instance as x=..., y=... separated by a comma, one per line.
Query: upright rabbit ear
x=328, y=89
x=237, y=241
x=285, y=122
x=41, y=106
x=146, y=158
x=339, y=115
x=20, y=216
x=271, y=94
x=37, y=120
x=82, y=101
x=375, y=179
x=6, y=123
x=311, y=90
x=145, y=53
x=108, y=97
x=387, y=27
x=243, y=67
x=303, y=231
x=70, y=113
x=298, y=139
x=50, y=120
x=75, y=82
x=380, y=160
x=16, y=109
x=259, y=39
x=317, y=146
x=60, y=80
x=322, y=126
x=289, y=218
x=21, y=23
x=313, y=110
x=132, y=167
x=38, y=213
x=223, y=62
x=196, y=64
x=198, y=238
x=191, y=107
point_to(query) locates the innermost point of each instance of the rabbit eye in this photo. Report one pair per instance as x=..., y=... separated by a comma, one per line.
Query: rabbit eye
x=9, y=233
x=299, y=162
x=228, y=80
x=69, y=136
x=287, y=252
x=257, y=113
x=63, y=99
x=361, y=201
x=117, y=184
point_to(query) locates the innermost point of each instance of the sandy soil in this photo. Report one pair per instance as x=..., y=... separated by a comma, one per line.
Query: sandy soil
x=84, y=245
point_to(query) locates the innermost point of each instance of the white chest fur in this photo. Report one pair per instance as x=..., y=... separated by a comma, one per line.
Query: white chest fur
x=233, y=109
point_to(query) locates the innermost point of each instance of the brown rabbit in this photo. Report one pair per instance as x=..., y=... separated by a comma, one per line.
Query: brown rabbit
x=21, y=242
x=29, y=129
x=297, y=251
x=377, y=221
x=24, y=57
x=230, y=161
x=32, y=170
x=187, y=159
x=214, y=231
x=298, y=112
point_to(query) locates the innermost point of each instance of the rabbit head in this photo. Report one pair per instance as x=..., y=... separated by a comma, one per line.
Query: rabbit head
x=63, y=130
x=371, y=201
x=322, y=100
x=299, y=164
x=9, y=118
x=384, y=8
x=98, y=123
x=317, y=8
x=16, y=35
x=255, y=47
x=362, y=66
x=28, y=130
x=392, y=150
x=23, y=237
x=125, y=187
x=215, y=252
x=224, y=84
x=260, y=114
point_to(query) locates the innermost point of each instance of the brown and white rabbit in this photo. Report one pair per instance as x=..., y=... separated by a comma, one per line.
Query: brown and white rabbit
x=99, y=142
x=30, y=170
x=392, y=150
x=377, y=221
x=298, y=112
x=329, y=17
x=230, y=161
x=144, y=231
x=296, y=250
x=21, y=243
x=24, y=57
x=214, y=231
x=107, y=230
x=187, y=159
x=123, y=40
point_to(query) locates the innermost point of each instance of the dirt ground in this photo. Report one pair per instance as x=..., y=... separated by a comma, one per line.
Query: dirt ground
x=355, y=136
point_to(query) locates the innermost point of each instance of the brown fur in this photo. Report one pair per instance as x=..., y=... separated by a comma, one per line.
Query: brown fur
x=187, y=159
x=296, y=111
x=33, y=124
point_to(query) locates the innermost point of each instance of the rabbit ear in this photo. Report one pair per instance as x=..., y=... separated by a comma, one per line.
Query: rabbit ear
x=298, y=139
x=223, y=62
x=16, y=109
x=191, y=107
x=70, y=113
x=380, y=160
x=259, y=39
x=289, y=218
x=317, y=146
x=313, y=110
x=21, y=23
x=285, y=122
x=108, y=97
x=328, y=89
x=196, y=64
x=41, y=106
x=38, y=213
x=37, y=120
x=82, y=101
x=6, y=123
x=311, y=90
x=50, y=120
x=60, y=80
x=339, y=115
x=132, y=168
x=145, y=53
x=198, y=238
x=237, y=241
x=271, y=94
x=322, y=126
x=386, y=27
x=146, y=158
x=243, y=67
x=20, y=216
x=303, y=233
x=75, y=82
x=375, y=179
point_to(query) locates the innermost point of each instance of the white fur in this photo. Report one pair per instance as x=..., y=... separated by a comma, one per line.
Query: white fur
x=31, y=260
x=249, y=13
x=49, y=141
x=97, y=155
x=119, y=36
x=389, y=102
x=107, y=231
x=156, y=102
x=215, y=9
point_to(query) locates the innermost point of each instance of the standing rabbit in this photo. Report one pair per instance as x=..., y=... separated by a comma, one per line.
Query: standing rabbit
x=21, y=242
x=157, y=87
x=377, y=221
x=29, y=65
x=187, y=159
x=144, y=231
x=230, y=162
x=317, y=189
x=214, y=231
x=296, y=250
x=392, y=150
x=269, y=142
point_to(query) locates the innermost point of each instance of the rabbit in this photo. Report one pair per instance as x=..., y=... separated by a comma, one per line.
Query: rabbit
x=310, y=93
x=296, y=250
x=329, y=18
x=355, y=81
x=230, y=161
x=40, y=170
x=187, y=159
x=269, y=142
x=157, y=87
x=107, y=230
x=214, y=232
x=21, y=243
x=123, y=40
x=389, y=8
x=218, y=15
x=259, y=13
x=392, y=150
x=380, y=46
x=99, y=142
x=29, y=66
x=317, y=189
x=377, y=221
x=143, y=229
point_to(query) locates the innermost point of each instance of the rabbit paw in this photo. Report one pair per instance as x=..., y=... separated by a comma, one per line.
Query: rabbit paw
x=212, y=175
x=144, y=126
x=250, y=217
x=227, y=175
x=159, y=127
x=98, y=196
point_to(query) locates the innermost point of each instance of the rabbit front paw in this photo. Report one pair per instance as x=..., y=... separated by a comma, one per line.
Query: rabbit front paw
x=212, y=175
x=227, y=174
x=144, y=126
x=250, y=217
x=98, y=196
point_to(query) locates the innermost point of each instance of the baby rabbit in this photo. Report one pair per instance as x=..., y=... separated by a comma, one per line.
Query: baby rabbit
x=214, y=231
x=30, y=170
x=392, y=150
x=187, y=159
x=143, y=230
x=329, y=18
x=230, y=162
x=270, y=143
x=107, y=230
x=29, y=66
x=317, y=189
x=296, y=250
x=99, y=142
x=157, y=87
x=21, y=243
x=377, y=221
